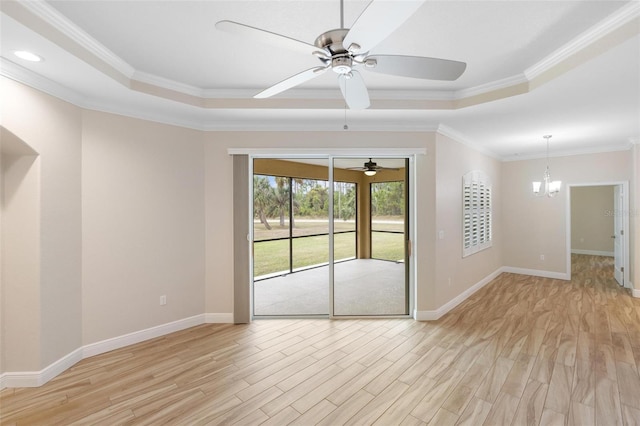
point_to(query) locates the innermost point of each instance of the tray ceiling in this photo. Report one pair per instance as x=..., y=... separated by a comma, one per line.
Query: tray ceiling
x=569, y=68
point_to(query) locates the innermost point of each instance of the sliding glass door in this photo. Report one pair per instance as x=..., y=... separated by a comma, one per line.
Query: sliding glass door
x=290, y=237
x=330, y=241
x=375, y=281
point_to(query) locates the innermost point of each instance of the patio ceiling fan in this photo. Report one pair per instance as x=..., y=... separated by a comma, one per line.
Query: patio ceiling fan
x=370, y=168
x=346, y=50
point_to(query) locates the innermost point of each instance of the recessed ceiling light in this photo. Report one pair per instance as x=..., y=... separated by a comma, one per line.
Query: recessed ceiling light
x=27, y=56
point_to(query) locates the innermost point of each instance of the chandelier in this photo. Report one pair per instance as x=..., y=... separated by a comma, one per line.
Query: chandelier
x=551, y=188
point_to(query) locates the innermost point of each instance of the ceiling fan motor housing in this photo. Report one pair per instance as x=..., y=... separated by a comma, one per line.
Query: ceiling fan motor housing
x=341, y=60
x=332, y=41
x=370, y=165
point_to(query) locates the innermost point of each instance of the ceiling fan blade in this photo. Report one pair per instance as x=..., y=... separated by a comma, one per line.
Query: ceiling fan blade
x=378, y=21
x=418, y=67
x=291, y=82
x=267, y=37
x=354, y=91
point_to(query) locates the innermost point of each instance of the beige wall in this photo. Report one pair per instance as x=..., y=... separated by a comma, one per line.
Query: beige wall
x=144, y=227
x=52, y=128
x=138, y=234
x=534, y=226
x=592, y=219
x=455, y=274
x=20, y=278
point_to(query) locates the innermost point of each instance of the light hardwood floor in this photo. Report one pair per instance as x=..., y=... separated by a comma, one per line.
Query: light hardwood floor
x=522, y=350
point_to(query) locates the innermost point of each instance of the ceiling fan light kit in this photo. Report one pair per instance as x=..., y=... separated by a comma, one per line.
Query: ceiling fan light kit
x=379, y=19
x=370, y=168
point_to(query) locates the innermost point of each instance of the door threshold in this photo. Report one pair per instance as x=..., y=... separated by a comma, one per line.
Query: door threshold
x=335, y=317
x=268, y=317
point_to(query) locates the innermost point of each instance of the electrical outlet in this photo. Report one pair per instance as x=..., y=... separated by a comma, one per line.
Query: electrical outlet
x=163, y=300
x=542, y=257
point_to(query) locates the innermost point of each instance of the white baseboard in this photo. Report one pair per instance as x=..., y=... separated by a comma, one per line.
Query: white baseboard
x=434, y=315
x=438, y=313
x=635, y=292
x=537, y=273
x=30, y=379
x=219, y=318
x=593, y=252
x=140, y=336
x=24, y=379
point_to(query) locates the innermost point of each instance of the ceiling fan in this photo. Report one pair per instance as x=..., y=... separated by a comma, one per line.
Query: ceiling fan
x=370, y=168
x=345, y=50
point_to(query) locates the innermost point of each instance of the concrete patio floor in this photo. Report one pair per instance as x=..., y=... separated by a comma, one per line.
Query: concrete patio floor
x=361, y=287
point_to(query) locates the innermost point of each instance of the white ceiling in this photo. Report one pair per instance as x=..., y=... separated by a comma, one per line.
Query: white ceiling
x=575, y=63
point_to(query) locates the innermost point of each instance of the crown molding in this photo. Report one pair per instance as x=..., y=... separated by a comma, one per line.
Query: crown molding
x=25, y=76
x=417, y=95
x=169, y=84
x=450, y=133
x=50, y=15
x=569, y=153
x=324, y=152
x=29, y=78
x=309, y=126
x=22, y=75
x=490, y=87
x=614, y=21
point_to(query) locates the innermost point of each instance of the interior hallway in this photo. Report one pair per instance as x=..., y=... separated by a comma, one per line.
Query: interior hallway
x=522, y=350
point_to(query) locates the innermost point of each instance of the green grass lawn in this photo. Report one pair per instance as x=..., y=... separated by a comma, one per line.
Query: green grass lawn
x=387, y=246
x=302, y=227
x=321, y=226
x=273, y=256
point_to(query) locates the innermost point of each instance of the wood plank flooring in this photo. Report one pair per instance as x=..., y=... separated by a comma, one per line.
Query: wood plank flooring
x=521, y=351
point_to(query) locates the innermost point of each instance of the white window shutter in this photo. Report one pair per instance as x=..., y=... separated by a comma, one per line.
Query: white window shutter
x=476, y=212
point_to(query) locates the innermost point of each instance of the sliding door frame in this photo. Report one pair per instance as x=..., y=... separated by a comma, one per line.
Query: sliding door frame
x=292, y=154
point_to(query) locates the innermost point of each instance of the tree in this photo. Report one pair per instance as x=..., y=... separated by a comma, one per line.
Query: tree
x=263, y=195
x=281, y=198
x=315, y=202
x=298, y=186
x=344, y=200
x=387, y=199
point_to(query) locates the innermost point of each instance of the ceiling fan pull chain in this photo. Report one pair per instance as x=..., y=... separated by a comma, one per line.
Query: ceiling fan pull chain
x=345, y=127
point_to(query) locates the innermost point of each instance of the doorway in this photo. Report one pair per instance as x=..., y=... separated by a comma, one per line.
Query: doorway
x=598, y=221
x=329, y=240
